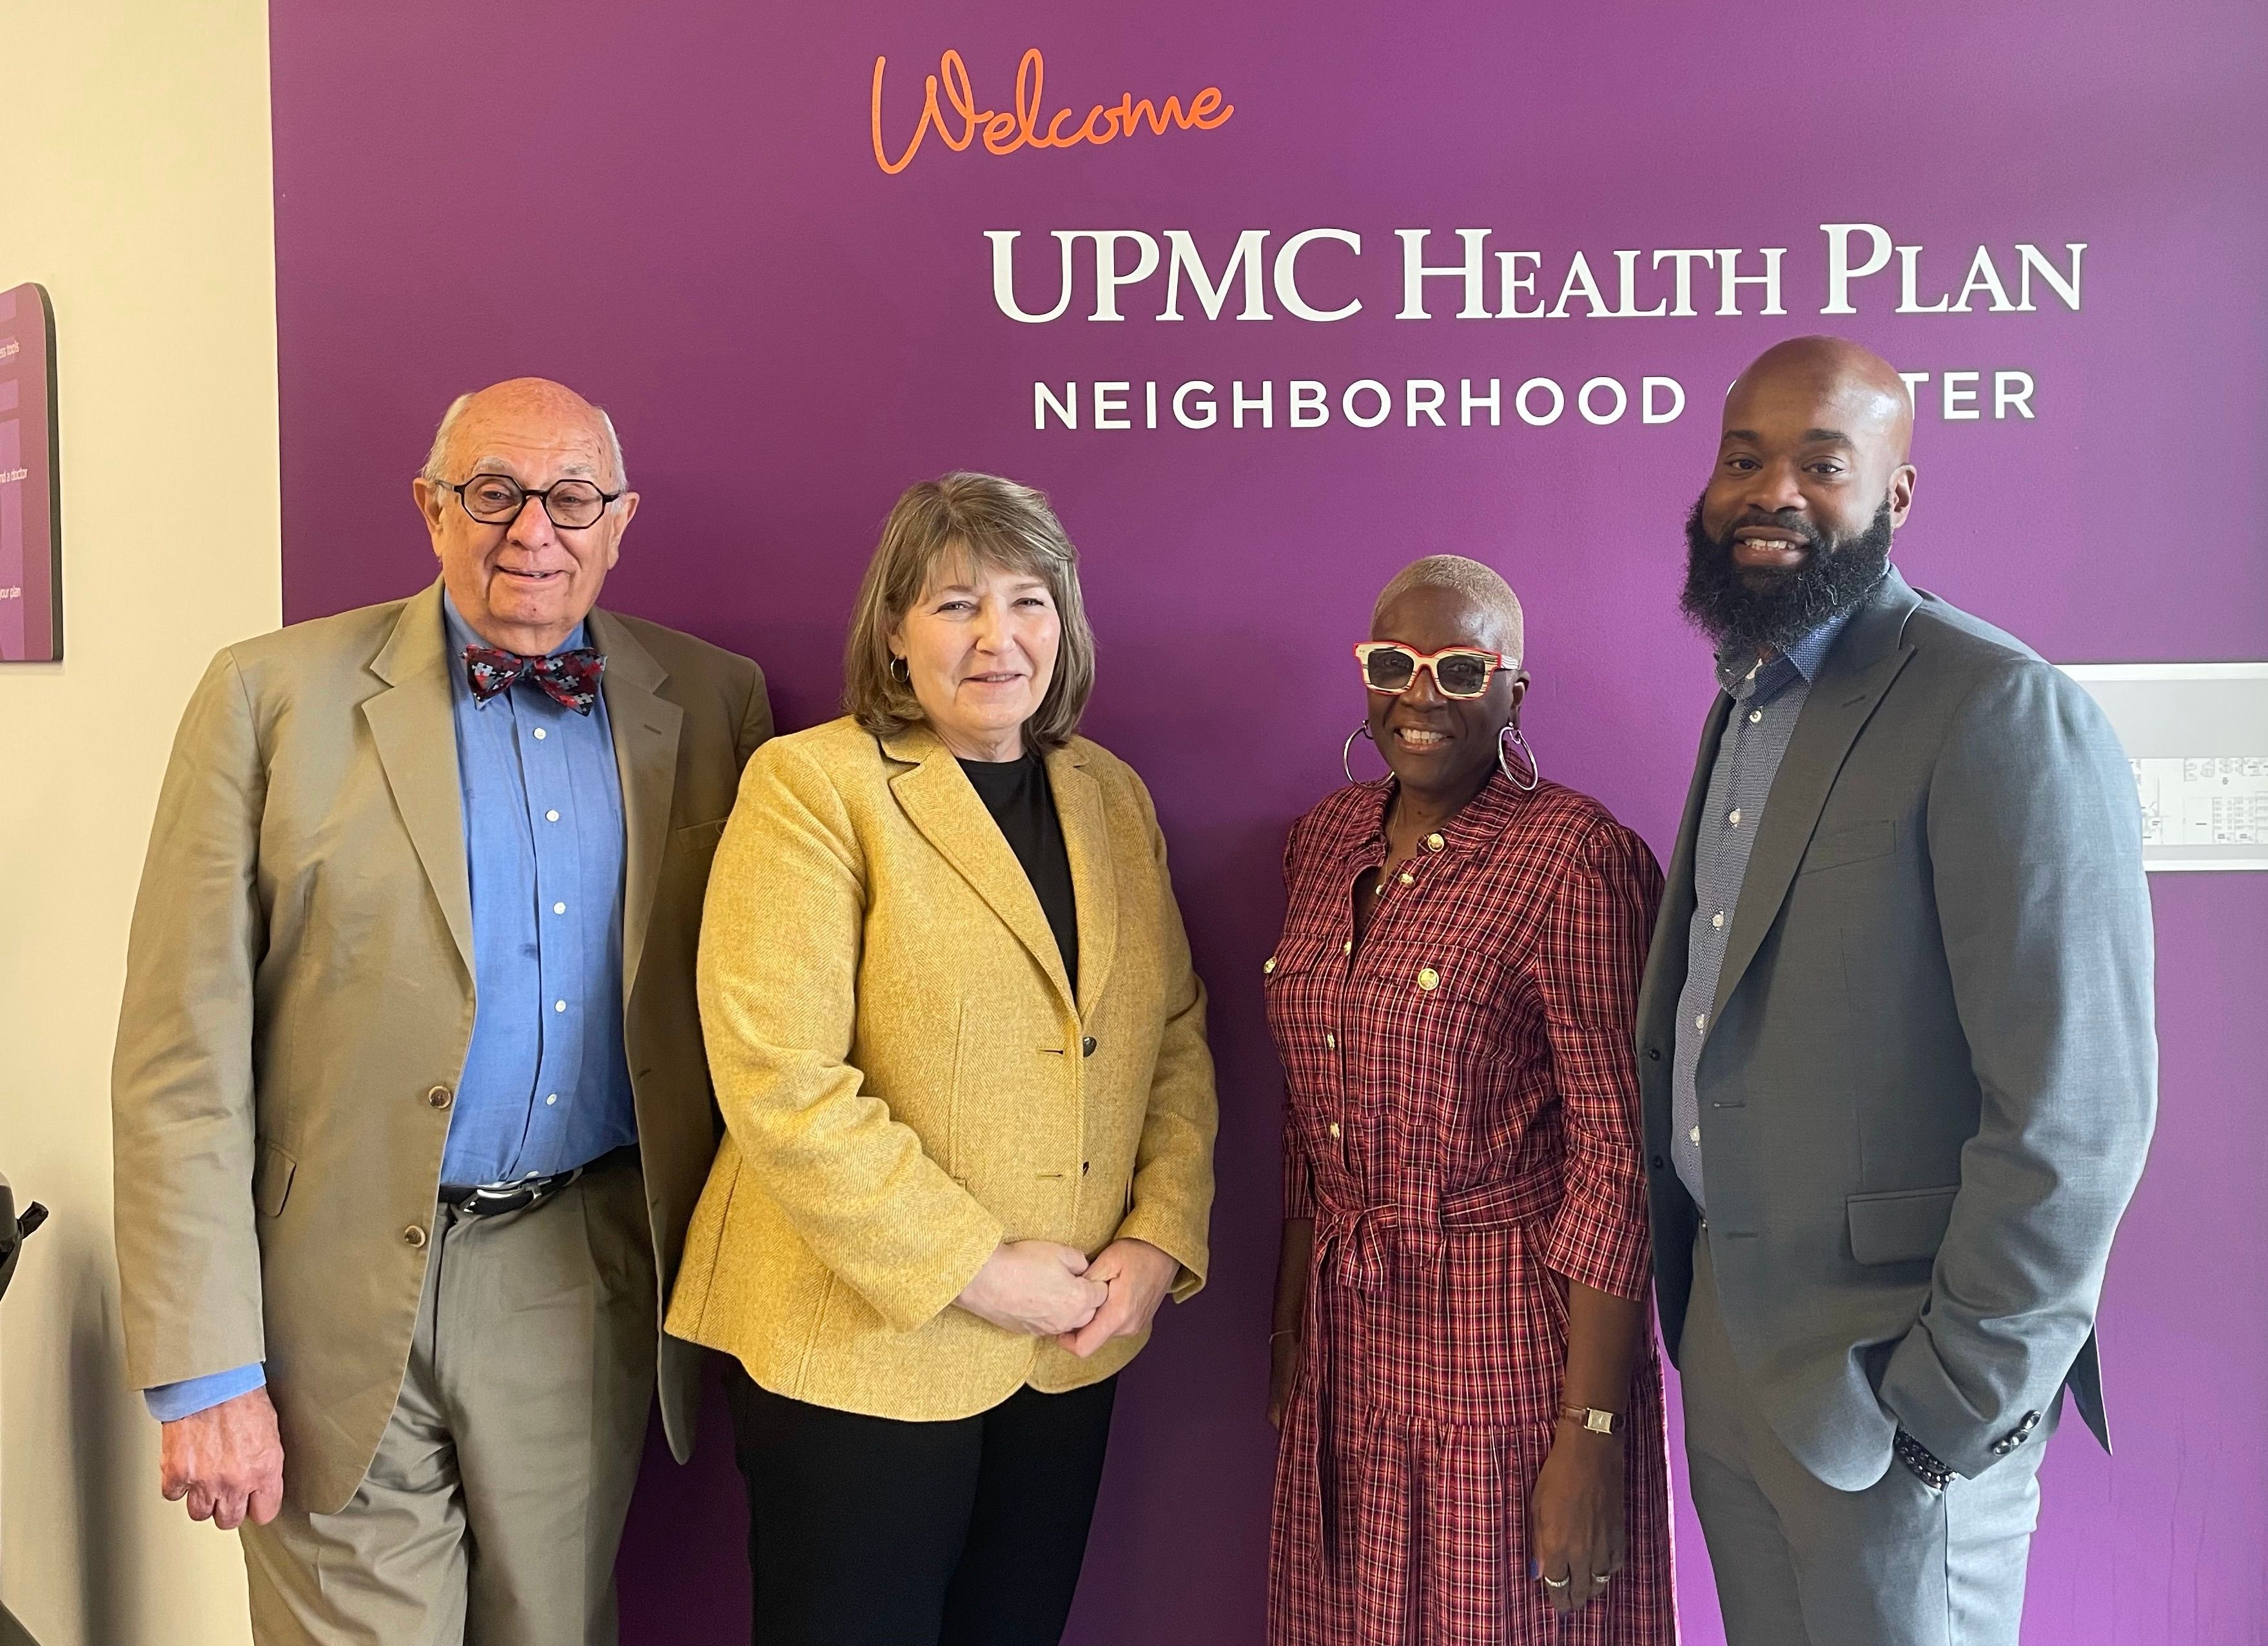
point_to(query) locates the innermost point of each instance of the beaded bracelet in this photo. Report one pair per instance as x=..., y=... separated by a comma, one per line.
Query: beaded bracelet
x=1924, y=1464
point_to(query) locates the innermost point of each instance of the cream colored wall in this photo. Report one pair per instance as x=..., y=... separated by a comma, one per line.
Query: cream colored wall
x=134, y=186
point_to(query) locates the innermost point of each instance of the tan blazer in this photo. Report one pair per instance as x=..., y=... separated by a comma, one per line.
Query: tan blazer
x=906, y=1080
x=299, y=999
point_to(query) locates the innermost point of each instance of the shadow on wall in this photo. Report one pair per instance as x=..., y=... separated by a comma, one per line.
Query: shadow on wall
x=109, y=1469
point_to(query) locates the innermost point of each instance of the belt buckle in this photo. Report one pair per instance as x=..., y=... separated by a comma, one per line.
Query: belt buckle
x=494, y=1199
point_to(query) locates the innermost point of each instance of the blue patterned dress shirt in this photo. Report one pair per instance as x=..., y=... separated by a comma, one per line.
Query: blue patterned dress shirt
x=1768, y=698
x=545, y=1086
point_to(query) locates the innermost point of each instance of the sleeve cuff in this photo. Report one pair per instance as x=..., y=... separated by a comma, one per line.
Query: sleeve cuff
x=171, y=1402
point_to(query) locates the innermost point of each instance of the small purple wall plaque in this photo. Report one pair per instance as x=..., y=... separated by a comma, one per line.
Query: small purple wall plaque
x=31, y=583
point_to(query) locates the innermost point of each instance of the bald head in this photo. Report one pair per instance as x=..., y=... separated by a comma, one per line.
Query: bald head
x=523, y=405
x=1857, y=393
x=1810, y=484
x=507, y=497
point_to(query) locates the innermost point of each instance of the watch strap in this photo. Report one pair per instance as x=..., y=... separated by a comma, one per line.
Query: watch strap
x=1593, y=1419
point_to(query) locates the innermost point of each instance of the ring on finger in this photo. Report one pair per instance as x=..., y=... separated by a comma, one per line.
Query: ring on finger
x=1557, y=1583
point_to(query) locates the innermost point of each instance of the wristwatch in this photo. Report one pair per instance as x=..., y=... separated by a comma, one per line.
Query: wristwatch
x=1591, y=1418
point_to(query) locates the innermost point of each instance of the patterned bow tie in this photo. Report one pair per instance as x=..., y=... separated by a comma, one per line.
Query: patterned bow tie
x=570, y=679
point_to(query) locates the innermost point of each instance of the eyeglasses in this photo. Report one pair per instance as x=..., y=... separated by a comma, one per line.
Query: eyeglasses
x=498, y=500
x=1459, y=671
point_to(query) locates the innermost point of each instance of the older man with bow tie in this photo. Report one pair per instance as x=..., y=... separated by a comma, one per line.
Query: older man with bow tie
x=409, y=1100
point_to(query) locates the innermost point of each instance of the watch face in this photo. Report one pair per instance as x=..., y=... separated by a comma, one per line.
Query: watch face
x=1598, y=1421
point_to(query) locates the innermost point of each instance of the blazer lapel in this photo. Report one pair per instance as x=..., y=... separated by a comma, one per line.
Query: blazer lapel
x=645, y=727
x=1095, y=888
x=1857, y=671
x=414, y=727
x=941, y=803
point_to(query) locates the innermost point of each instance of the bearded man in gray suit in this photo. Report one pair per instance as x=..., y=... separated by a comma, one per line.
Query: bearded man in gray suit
x=1896, y=1045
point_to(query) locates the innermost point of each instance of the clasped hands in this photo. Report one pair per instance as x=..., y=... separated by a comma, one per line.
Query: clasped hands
x=1038, y=1289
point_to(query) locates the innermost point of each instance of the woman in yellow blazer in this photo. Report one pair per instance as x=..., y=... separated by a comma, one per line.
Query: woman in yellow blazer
x=967, y=1104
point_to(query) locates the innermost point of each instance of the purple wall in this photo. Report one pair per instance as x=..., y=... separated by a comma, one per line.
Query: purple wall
x=693, y=229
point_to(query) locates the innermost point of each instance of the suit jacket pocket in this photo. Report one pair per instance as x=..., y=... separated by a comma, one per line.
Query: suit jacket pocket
x=1900, y=1226
x=700, y=838
x=271, y=1180
x=1854, y=845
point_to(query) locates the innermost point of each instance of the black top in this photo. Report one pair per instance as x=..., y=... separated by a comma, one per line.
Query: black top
x=1018, y=795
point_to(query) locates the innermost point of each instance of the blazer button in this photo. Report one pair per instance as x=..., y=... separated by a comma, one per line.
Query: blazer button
x=414, y=1238
x=1083, y=1165
x=1086, y=1047
x=1657, y=1162
x=1655, y=1054
x=439, y=1096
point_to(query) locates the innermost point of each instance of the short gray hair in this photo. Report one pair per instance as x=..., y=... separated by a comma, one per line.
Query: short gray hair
x=1482, y=586
x=436, y=471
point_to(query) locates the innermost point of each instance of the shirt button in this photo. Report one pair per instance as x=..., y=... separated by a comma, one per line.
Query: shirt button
x=414, y=1238
x=558, y=1006
x=1330, y=1043
x=1347, y=947
x=1700, y=1020
x=561, y=908
x=1434, y=842
x=541, y=734
x=439, y=1096
x=554, y=817
x=551, y=1101
x=1268, y=967
x=1754, y=715
x=1693, y=1136
x=1335, y=1128
x=1407, y=879
x=1718, y=919
x=1733, y=817
x=1428, y=978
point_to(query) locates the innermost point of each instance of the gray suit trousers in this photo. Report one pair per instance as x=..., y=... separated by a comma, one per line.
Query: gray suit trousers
x=490, y=1515
x=1800, y=1563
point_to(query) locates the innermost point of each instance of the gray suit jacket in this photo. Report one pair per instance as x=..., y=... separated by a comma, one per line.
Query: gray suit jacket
x=1930, y=1077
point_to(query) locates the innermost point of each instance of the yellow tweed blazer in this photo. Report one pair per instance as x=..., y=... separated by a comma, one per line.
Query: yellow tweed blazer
x=906, y=1080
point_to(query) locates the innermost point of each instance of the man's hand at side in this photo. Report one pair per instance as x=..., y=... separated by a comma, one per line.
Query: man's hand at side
x=227, y=1460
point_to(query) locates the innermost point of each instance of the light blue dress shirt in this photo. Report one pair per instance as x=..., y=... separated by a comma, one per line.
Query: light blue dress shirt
x=546, y=1086
x=1768, y=699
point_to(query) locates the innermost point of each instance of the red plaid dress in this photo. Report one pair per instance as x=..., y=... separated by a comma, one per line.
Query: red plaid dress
x=1461, y=1115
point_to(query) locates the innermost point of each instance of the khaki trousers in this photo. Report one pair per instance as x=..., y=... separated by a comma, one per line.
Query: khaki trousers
x=492, y=1510
x=1799, y=1563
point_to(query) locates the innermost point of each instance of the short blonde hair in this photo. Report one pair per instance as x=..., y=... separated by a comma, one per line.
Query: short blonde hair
x=1484, y=590
x=997, y=523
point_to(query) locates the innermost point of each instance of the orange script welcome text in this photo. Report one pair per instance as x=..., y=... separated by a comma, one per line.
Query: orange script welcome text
x=1005, y=131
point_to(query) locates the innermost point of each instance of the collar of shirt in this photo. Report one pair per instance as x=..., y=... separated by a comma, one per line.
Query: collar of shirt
x=1482, y=818
x=1766, y=678
x=461, y=635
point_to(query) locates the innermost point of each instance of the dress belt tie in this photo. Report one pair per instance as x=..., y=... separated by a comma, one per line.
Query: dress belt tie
x=1355, y=1248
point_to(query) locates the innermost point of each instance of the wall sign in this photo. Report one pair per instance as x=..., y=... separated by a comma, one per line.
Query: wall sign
x=2196, y=736
x=30, y=584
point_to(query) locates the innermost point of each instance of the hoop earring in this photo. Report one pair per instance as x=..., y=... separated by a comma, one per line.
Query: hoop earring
x=1535, y=771
x=902, y=672
x=1346, y=753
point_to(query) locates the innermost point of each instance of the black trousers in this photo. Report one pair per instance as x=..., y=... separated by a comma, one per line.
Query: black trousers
x=870, y=1531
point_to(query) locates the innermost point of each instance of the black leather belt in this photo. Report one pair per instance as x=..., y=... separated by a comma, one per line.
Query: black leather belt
x=493, y=1199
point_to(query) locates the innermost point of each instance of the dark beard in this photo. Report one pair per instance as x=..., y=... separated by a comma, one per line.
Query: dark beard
x=1751, y=610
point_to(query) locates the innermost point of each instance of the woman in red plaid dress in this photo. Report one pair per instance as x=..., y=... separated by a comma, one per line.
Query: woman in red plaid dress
x=1472, y=1446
